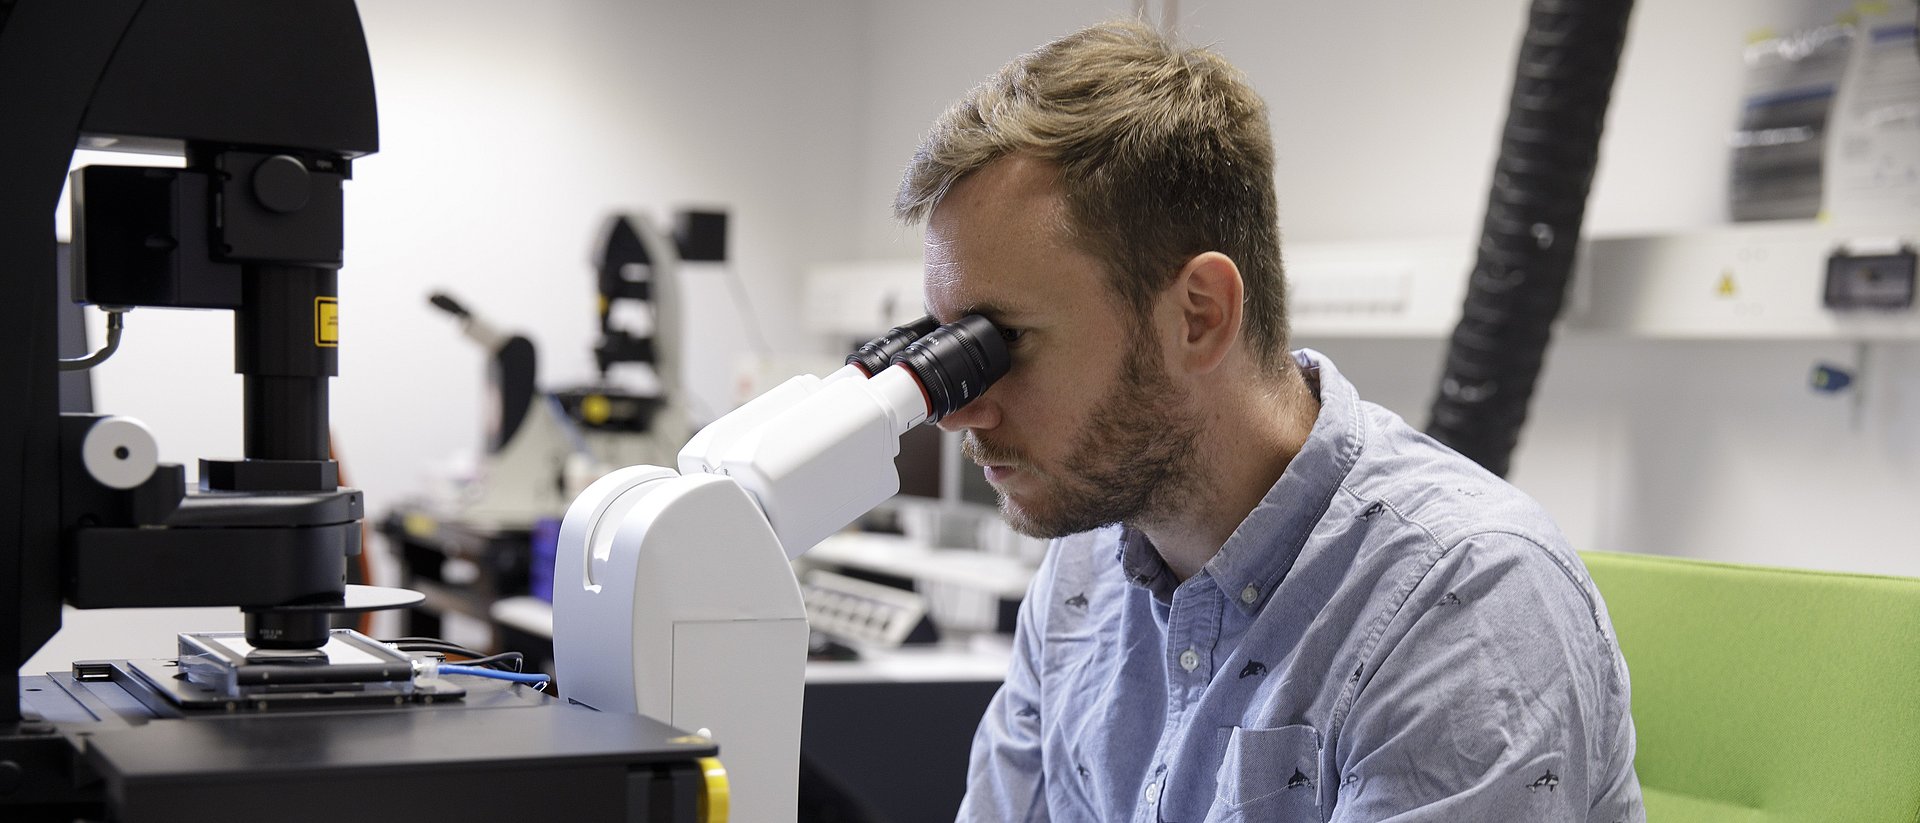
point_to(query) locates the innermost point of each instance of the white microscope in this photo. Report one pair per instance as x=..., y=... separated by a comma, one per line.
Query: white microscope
x=673, y=593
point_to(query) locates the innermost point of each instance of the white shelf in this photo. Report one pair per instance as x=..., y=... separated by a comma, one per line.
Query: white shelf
x=1759, y=281
x=1756, y=281
x=1409, y=289
x=1753, y=281
x=984, y=658
x=993, y=574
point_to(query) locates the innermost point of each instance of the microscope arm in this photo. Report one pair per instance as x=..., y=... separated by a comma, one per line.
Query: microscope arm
x=828, y=458
x=703, y=452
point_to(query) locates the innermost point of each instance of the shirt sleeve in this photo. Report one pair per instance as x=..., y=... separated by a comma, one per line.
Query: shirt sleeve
x=1487, y=697
x=1005, y=781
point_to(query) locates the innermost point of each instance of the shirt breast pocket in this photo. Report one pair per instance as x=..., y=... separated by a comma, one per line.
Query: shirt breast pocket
x=1268, y=775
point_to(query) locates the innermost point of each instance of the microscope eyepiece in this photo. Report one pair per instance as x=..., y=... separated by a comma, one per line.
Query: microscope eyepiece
x=879, y=352
x=446, y=303
x=955, y=363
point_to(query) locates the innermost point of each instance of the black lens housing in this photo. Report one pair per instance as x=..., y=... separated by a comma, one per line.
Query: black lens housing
x=878, y=353
x=956, y=363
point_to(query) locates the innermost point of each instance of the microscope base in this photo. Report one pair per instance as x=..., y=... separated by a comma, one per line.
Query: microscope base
x=92, y=749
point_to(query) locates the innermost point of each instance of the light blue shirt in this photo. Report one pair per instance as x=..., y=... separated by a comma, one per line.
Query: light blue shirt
x=1392, y=634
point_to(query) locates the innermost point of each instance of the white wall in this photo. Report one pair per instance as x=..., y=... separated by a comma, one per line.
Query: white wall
x=924, y=55
x=1385, y=116
x=511, y=129
x=1710, y=449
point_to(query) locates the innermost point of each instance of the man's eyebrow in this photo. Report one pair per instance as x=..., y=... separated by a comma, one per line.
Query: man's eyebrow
x=997, y=314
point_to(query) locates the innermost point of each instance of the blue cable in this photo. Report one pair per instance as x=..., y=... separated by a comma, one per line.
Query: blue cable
x=496, y=674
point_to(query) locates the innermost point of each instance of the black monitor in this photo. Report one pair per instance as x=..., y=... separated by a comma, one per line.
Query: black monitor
x=932, y=467
x=973, y=485
x=918, y=462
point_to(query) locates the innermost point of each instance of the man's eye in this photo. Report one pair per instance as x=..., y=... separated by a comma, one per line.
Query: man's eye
x=1011, y=335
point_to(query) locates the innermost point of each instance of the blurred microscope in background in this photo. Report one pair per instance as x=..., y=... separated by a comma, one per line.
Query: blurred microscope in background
x=543, y=447
x=489, y=536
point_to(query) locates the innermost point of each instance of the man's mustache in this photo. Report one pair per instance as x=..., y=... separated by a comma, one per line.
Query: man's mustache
x=987, y=454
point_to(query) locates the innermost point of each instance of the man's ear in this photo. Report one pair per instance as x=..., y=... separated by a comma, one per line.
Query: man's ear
x=1208, y=296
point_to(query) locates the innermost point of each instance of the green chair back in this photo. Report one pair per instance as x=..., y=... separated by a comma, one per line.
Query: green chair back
x=1765, y=695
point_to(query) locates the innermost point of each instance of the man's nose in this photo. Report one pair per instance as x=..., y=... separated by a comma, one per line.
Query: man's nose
x=981, y=414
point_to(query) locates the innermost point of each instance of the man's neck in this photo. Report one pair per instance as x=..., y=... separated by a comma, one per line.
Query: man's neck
x=1252, y=434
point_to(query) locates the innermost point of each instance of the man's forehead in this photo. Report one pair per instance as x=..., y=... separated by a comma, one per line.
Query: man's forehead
x=956, y=284
x=995, y=245
x=1014, y=201
x=952, y=292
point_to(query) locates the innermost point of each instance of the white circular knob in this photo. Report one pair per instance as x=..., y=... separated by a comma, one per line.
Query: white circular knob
x=120, y=452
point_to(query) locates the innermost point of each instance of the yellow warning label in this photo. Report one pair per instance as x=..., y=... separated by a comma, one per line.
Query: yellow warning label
x=1872, y=7
x=326, y=322
x=419, y=525
x=1726, y=288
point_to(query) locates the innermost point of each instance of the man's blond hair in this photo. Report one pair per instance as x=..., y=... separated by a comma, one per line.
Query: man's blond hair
x=1163, y=152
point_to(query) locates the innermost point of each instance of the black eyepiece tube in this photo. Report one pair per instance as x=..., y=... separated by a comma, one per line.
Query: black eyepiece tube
x=879, y=352
x=446, y=303
x=956, y=363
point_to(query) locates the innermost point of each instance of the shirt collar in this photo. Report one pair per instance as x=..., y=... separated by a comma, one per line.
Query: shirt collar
x=1143, y=564
x=1263, y=548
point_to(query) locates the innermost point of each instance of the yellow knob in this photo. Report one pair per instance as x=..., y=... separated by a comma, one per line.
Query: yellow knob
x=595, y=409
x=713, y=801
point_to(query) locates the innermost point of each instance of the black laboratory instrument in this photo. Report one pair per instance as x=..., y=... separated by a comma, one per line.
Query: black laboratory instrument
x=269, y=104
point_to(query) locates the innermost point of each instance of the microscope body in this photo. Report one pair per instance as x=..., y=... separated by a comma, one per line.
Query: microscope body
x=673, y=593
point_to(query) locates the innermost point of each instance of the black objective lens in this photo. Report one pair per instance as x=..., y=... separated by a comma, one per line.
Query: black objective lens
x=879, y=352
x=956, y=363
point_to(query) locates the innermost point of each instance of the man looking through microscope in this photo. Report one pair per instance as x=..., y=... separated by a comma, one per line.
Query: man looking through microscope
x=1266, y=599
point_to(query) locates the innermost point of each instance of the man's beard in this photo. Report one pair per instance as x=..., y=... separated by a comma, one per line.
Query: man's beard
x=1133, y=458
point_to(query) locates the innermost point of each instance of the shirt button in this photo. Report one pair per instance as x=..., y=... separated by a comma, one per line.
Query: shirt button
x=1153, y=792
x=1249, y=594
x=1189, y=660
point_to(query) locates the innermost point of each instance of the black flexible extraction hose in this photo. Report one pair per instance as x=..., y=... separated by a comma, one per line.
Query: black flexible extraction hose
x=1548, y=151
